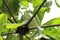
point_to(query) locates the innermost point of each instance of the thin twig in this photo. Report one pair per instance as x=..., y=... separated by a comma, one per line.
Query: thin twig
x=45, y=26
x=10, y=20
x=53, y=25
x=36, y=12
x=21, y=36
x=8, y=33
x=4, y=1
x=32, y=28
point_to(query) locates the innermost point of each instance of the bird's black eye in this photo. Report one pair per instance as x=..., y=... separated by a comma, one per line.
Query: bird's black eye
x=23, y=29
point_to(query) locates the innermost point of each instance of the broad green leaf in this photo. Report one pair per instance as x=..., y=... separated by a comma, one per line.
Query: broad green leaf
x=1, y=15
x=13, y=5
x=53, y=21
x=53, y=31
x=42, y=12
x=12, y=37
x=25, y=38
x=1, y=38
x=0, y=3
x=3, y=19
x=2, y=29
x=37, y=2
x=24, y=2
x=12, y=26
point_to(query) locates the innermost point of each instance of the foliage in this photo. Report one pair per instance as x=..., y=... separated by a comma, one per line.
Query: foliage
x=16, y=6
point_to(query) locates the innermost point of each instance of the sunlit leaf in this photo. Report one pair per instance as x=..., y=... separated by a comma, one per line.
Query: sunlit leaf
x=11, y=26
x=0, y=3
x=37, y=2
x=12, y=37
x=2, y=29
x=3, y=19
x=1, y=38
x=53, y=21
x=42, y=12
x=24, y=2
x=53, y=31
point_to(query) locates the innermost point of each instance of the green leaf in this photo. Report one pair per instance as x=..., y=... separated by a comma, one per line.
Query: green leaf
x=12, y=26
x=1, y=38
x=37, y=2
x=3, y=19
x=53, y=31
x=0, y=3
x=2, y=29
x=13, y=5
x=42, y=12
x=53, y=21
x=12, y=37
x=2, y=15
x=24, y=2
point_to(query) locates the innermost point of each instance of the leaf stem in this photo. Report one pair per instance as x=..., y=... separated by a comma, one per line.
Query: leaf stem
x=8, y=33
x=53, y=25
x=45, y=26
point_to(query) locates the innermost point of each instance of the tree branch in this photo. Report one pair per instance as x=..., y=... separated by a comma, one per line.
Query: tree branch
x=10, y=20
x=10, y=12
x=53, y=25
x=45, y=26
x=8, y=34
x=36, y=12
x=21, y=36
x=32, y=28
